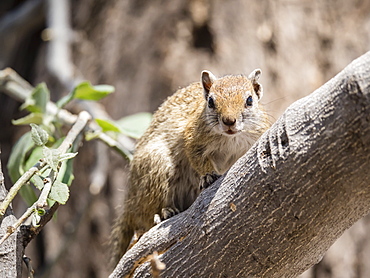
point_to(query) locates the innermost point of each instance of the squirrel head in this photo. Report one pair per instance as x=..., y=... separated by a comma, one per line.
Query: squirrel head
x=232, y=102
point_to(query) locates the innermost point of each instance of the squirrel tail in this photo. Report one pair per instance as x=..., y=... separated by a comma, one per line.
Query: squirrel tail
x=120, y=239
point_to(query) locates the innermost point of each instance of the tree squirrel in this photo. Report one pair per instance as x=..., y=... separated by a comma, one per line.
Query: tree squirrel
x=201, y=129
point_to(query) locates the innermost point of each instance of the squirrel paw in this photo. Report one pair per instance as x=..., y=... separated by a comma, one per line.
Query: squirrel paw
x=157, y=219
x=168, y=212
x=207, y=180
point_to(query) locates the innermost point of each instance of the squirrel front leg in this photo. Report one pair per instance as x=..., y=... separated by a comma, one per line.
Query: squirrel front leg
x=168, y=212
x=207, y=180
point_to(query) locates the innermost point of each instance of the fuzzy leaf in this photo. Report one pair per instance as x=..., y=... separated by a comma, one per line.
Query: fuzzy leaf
x=35, y=118
x=37, y=182
x=18, y=156
x=38, y=99
x=67, y=156
x=51, y=157
x=66, y=172
x=59, y=192
x=39, y=136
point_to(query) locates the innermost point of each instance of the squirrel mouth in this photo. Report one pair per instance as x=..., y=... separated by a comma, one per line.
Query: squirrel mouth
x=230, y=132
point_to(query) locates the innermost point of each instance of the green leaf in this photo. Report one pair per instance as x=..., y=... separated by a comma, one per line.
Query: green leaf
x=33, y=158
x=67, y=156
x=50, y=203
x=65, y=100
x=18, y=156
x=35, y=118
x=135, y=125
x=65, y=174
x=66, y=169
x=51, y=157
x=59, y=192
x=39, y=136
x=107, y=125
x=86, y=91
x=37, y=182
x=37, y=100
x=28, y=194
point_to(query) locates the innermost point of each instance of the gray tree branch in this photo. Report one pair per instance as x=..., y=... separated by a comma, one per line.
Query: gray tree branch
x=11, y=251
x=284, y=203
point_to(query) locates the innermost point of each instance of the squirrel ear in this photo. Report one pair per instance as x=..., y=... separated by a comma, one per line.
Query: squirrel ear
x=257, y=87
x=207, y=79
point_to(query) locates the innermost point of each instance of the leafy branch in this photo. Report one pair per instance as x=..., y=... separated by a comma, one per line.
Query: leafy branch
x=37, y=208
x=132, y=126
x=43, y=157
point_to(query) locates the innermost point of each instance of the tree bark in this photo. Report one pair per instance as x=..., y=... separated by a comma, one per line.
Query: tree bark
x=285, y=202
x=11, y=250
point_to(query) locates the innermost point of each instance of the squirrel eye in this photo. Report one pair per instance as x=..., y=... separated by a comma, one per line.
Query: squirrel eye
x=249, y=101
x=211, y=103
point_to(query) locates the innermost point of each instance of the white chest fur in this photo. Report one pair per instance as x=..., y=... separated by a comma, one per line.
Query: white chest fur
x=228, y=150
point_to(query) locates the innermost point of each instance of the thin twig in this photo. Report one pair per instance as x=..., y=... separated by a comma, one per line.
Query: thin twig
x=48, y=182
x=18, y=185
x=76, y=129
x=30, y=270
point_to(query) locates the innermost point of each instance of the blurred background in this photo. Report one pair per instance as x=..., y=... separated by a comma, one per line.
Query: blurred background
x=147, y=50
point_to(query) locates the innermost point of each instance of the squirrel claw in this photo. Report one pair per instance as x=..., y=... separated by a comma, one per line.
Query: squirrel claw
x=168, y=212
x=207, y=180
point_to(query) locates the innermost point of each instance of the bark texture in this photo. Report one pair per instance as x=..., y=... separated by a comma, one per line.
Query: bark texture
x=11, y=250
x=282, y=205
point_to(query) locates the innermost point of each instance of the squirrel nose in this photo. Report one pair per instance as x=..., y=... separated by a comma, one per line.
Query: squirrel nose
x=228, y=121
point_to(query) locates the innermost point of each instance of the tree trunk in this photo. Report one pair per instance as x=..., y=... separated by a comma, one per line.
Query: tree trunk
x=11, y=250
x=283, y=204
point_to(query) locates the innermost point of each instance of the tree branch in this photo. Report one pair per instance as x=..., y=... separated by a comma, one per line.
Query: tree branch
x=18, y=185
x=284, y=203
x=10, y=253
x=16, y=87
